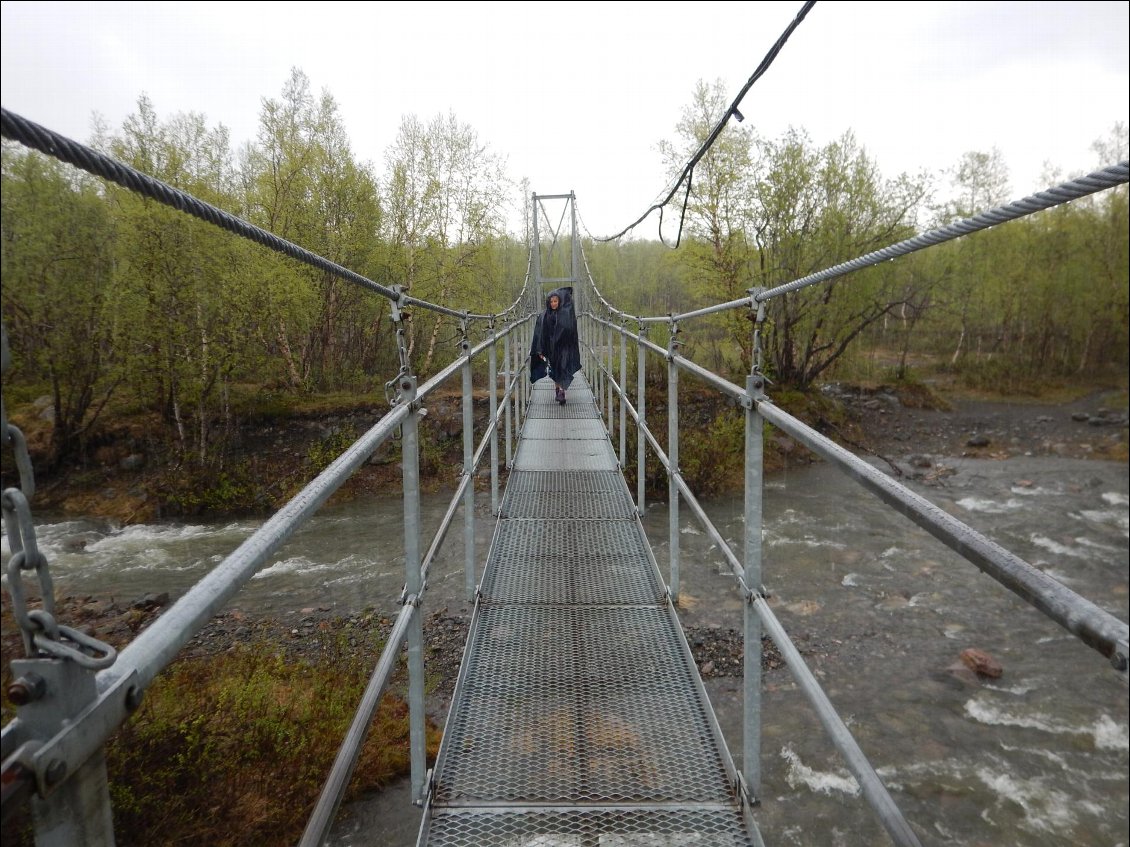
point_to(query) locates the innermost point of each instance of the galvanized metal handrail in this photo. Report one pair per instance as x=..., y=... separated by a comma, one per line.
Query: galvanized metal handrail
x=468, y=475
x=875, y=793
x=1091, y=624
x=121, y=687
x=115, y=692
x=322, y=818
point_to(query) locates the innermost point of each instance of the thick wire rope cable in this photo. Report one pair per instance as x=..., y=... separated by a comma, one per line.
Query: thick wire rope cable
x=1092, y=183
x=36, y=137
x=732, y=111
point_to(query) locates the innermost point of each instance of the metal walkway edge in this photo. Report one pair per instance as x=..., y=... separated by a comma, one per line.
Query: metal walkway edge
x=579, y=717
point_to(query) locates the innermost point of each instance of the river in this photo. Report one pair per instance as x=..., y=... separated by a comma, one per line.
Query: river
x=1036, y=757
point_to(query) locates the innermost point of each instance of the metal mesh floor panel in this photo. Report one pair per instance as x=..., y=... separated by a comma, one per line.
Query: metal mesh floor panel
x=588, y=562
x=606, y=828
x=611, y=504
x=578, y=718
x=548, y=397
x=570, y=411
x=584, y=483
x=561, y=429
x=565, y=456
x=589, y=706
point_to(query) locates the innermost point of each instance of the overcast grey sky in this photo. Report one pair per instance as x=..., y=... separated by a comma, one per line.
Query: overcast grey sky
x=576, y=95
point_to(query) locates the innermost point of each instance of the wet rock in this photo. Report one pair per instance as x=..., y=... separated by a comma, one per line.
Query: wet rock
x=785, y=444
x=981, y=663
x=1081, y=417
x=151, y=601
x=45, y=407
x=132, y=462
x=959, y=672
x=979, y=440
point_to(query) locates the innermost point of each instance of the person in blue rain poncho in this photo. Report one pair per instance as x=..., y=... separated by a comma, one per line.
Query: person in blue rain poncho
x=555, y=351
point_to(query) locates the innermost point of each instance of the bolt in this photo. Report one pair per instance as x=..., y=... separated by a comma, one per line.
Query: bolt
x=56, y=770
x=27, y=689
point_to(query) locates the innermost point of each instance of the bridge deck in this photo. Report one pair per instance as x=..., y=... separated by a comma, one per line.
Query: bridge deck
x=579, y=717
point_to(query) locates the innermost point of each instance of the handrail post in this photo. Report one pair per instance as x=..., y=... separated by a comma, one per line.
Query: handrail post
x=410, y=463
x=641, y=439
x=754, y=476
x=521, y=348
x=598, y=364
x=594, y=366
x=508, y=361
x=673, y=458
x=610, y=408
x=492, y=370
x=754, y=521
x=468, y=459
x=77, y=813
x=623, y=392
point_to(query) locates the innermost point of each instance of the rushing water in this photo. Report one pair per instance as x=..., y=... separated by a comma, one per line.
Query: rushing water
x=1037, y=757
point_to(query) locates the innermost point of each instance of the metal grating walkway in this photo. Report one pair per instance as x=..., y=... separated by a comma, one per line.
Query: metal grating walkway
x=579, y=717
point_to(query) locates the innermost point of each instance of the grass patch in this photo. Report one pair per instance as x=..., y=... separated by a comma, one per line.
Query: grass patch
x=233, y=749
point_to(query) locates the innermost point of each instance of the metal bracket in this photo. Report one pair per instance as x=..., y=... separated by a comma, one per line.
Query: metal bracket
x=80, y=735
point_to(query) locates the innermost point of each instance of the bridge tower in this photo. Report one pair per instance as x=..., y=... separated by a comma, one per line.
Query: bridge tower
x=554, y=269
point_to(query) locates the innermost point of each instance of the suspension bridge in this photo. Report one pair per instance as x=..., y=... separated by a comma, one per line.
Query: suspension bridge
x=579, y=716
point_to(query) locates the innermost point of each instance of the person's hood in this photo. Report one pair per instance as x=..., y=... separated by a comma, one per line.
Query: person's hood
x=565, y=295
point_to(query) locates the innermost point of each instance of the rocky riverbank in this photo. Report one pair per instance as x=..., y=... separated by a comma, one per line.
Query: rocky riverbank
x=916, y=442
x=317, y=634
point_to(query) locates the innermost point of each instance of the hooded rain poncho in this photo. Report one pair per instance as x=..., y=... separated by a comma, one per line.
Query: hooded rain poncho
x=555, y=338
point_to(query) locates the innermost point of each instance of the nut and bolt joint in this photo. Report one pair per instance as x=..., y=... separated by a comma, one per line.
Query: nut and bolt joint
x=27, y=689
x=56, y=771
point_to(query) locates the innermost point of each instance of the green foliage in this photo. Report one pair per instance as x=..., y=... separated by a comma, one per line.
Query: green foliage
x=324, y=452
x=218, y=741
x=57, y=257
x=192, y=490
x=713, y=459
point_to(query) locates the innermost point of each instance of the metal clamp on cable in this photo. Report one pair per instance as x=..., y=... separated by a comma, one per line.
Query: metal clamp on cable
x=398, y=316
x=757, y=362
x=750, y=596
x=464, y=339
x=673, y=340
